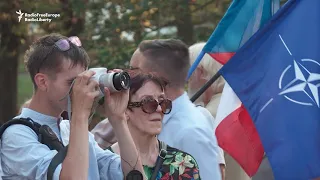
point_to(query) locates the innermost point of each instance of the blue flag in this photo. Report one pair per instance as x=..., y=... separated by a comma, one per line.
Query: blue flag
x=276, y=75
x=242, y=19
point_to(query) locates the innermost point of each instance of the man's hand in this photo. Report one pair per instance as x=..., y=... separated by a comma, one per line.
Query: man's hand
x=115, y=104
x=84, y=92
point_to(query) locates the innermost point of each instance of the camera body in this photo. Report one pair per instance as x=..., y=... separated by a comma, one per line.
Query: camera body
x=114, y=81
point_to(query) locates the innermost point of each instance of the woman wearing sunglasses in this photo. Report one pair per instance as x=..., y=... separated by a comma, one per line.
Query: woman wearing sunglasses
x=146, y=108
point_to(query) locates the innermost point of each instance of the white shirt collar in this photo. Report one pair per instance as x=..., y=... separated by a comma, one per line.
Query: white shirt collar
x=42, y=119
x=38, y=117
x=176, y=104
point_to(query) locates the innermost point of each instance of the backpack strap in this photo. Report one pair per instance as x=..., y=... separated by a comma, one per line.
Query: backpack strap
x=24, y=121
x=57, y=159
x=160, y=160
x=45, y=136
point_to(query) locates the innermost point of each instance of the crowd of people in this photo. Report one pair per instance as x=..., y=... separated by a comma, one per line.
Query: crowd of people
x=152, y=128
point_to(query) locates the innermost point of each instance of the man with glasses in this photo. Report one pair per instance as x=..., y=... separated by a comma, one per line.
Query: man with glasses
x=55, y=63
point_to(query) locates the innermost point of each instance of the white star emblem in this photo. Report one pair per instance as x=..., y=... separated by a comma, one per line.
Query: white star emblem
x=302, y=84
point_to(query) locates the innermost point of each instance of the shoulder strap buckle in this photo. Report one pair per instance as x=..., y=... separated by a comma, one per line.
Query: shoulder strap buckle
x=162, y=153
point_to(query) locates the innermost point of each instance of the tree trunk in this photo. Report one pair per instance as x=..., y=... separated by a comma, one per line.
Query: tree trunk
x=184, y=22
x=9, y=52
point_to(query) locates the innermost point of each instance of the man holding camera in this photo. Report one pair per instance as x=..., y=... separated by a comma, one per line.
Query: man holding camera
x=55, y=63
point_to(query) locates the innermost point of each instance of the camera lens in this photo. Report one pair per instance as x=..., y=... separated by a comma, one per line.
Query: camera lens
x=121, y=81
x=115, y=81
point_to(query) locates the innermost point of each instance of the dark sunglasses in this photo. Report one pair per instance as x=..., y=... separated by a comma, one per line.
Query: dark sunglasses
x=63, y=45
x=149, y=105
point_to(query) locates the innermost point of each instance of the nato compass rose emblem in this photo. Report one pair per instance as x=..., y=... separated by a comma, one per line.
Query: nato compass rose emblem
x=304, y=81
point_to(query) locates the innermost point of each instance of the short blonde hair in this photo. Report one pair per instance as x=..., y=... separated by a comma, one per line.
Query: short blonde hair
x=210, y=66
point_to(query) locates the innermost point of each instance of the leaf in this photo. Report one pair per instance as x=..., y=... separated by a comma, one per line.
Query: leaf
x=168, y=161
x=172, y=169
x=195, y=170
x=188, y=164
x=169, y=156
x=147, y=171
x=181, y=169
x=179, y=154
x=186, y=175
x=175, y=164
x=187, y=170
x=165, y=177
x=179, y=157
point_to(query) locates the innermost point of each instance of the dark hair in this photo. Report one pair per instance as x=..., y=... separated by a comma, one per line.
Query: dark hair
x=43, y=55
x=139, y=78
x=168, y=57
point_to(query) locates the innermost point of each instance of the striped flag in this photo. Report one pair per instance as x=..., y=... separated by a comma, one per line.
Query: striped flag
x=235, y=131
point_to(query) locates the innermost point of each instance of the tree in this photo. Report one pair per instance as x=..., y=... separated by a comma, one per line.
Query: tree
x=12, y=34
x=115, y=29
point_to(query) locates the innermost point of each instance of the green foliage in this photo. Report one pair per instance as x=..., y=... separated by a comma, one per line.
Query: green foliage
x=111, y=30
x=25, y=88
x=118, y=26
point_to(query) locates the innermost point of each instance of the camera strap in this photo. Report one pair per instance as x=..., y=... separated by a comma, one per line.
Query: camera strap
x=160, y=160
x=68, y=96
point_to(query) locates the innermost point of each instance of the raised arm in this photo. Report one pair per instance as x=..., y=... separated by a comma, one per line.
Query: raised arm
x=115, y=106
x=76, y=163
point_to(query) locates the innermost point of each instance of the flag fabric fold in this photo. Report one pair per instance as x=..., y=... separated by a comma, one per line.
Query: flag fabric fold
x=236, y=133
x=240, y=22
x=276, y=75
x=242, y=19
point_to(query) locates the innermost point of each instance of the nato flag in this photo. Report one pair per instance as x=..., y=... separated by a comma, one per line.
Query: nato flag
x=276, y=75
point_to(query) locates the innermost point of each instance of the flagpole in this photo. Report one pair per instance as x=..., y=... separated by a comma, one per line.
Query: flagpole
x=205, y=87
x=195, y=64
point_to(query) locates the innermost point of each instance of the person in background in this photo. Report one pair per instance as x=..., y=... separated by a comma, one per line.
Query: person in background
x=103, y=134
x=265, y=172
x=210, y=99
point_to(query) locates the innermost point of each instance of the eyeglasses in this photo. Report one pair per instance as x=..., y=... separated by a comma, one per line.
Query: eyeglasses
x=63, y=45
x=149, y=105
